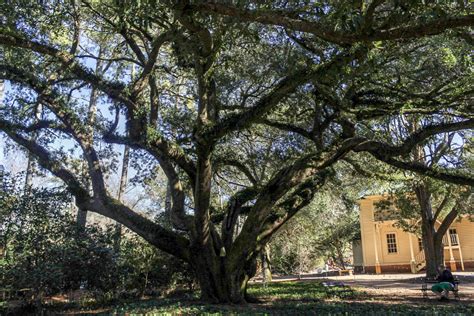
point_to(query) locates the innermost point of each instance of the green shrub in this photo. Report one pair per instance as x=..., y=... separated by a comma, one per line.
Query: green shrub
x=45, y=252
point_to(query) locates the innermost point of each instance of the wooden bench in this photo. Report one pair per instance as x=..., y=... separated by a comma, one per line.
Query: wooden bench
x=348, y=271
x=337, y=288
x=428, y=281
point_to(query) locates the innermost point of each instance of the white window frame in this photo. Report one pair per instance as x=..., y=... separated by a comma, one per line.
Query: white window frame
x=396, y=243
x=453, y=231
x=420, y=244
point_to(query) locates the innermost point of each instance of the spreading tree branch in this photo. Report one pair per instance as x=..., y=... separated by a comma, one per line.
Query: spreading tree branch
x=165, y=240
x=114, y=90
x=387, y=153
x=284, y=88
x=321, y=30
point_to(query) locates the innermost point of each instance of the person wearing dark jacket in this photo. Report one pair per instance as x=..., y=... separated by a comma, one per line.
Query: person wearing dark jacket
x=445, y=283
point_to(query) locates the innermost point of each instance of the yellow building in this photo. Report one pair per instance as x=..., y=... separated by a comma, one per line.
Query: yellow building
x=386, y=248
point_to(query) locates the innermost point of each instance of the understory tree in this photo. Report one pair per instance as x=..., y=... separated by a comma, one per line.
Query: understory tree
x=246, y=109
x=428, y=206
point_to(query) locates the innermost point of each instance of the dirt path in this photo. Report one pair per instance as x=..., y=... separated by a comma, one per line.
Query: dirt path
x=394, y=288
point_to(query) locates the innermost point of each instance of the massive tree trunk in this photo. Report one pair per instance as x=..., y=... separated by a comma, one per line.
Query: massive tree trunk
x=220, y=280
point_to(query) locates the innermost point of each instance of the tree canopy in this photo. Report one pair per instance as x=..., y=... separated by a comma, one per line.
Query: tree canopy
x=246, y=108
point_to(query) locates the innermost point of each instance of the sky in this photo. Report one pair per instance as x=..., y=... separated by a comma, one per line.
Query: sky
x=15, y=161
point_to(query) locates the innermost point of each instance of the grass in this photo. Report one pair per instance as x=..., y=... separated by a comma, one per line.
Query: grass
x=283, y=298
x=296, y=291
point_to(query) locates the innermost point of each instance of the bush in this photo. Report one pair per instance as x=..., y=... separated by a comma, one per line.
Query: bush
x=43, y=249
x=147, y=269
x=45, y=252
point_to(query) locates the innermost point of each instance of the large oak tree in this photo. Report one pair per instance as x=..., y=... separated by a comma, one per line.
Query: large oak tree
x=215, y=84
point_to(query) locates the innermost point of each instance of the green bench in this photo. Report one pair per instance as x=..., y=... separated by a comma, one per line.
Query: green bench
x=428, y=282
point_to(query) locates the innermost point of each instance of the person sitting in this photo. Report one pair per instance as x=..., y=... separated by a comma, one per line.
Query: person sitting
x=445, y=283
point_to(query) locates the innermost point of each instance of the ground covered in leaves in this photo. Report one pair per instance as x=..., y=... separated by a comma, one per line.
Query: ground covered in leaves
x=280, y=298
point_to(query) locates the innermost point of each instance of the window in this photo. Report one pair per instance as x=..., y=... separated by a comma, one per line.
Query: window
x=391, y=243
x=453, y=234
x=420, y=244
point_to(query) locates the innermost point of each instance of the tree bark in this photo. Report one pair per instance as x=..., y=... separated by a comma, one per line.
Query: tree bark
x=81, y=219
x=2, y=90
x=266, y=264
x=122, y=186
x=432, y=241
x=30, y=169
x=433, y=251
x=340, y=257
x=220, y=280
x=168, y=203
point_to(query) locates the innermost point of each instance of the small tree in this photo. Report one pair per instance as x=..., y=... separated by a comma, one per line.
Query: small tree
x=428, y=212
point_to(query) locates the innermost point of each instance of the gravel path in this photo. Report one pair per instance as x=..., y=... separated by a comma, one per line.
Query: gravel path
x=393, y=288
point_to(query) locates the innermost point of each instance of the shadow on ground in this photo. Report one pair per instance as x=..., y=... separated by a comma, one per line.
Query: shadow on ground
x=283, y=298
